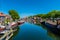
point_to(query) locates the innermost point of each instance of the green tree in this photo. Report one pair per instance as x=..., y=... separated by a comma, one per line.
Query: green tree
x=14, y=14
x=41, y=15
x=57, y=15
x=52, y=14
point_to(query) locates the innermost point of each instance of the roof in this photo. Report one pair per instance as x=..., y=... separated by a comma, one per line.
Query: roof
x=1, y=14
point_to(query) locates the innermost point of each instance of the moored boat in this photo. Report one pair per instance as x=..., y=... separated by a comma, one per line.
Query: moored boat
x=20, y=22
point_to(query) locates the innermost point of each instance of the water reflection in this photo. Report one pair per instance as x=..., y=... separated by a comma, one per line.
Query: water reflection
x=49, y=33
x=52, y=35
x=33, y=32
x=15, y=33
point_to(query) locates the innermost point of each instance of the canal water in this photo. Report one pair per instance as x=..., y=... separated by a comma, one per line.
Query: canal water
x=32, y=32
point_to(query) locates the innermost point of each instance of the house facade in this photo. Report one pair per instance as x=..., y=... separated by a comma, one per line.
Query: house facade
x=2, y=18
x=5, y=20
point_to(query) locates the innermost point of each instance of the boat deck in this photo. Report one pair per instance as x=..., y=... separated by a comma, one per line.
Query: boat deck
x=50, y=22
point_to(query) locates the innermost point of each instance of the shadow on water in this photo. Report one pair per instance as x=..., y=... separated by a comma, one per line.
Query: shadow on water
x=39, y=24
x=15, y=33
x=54, y=36
x=49, y=33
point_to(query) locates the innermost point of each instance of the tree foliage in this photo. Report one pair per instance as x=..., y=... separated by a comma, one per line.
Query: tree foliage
x=52, y=14
x=14, y=14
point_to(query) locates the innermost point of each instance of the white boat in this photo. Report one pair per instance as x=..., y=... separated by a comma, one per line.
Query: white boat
x=20, y=22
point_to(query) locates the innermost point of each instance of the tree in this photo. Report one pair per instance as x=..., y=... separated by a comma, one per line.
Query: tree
x=57, y=15
x=52, y=14
x=41, y=15
x=14, y=14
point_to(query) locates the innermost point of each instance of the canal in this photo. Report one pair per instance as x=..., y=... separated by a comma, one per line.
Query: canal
x=29, y=31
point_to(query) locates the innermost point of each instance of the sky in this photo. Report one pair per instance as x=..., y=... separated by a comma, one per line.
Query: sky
x=29, y=7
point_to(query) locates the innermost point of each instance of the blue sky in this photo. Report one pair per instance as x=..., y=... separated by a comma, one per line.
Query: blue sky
x=29, y=7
